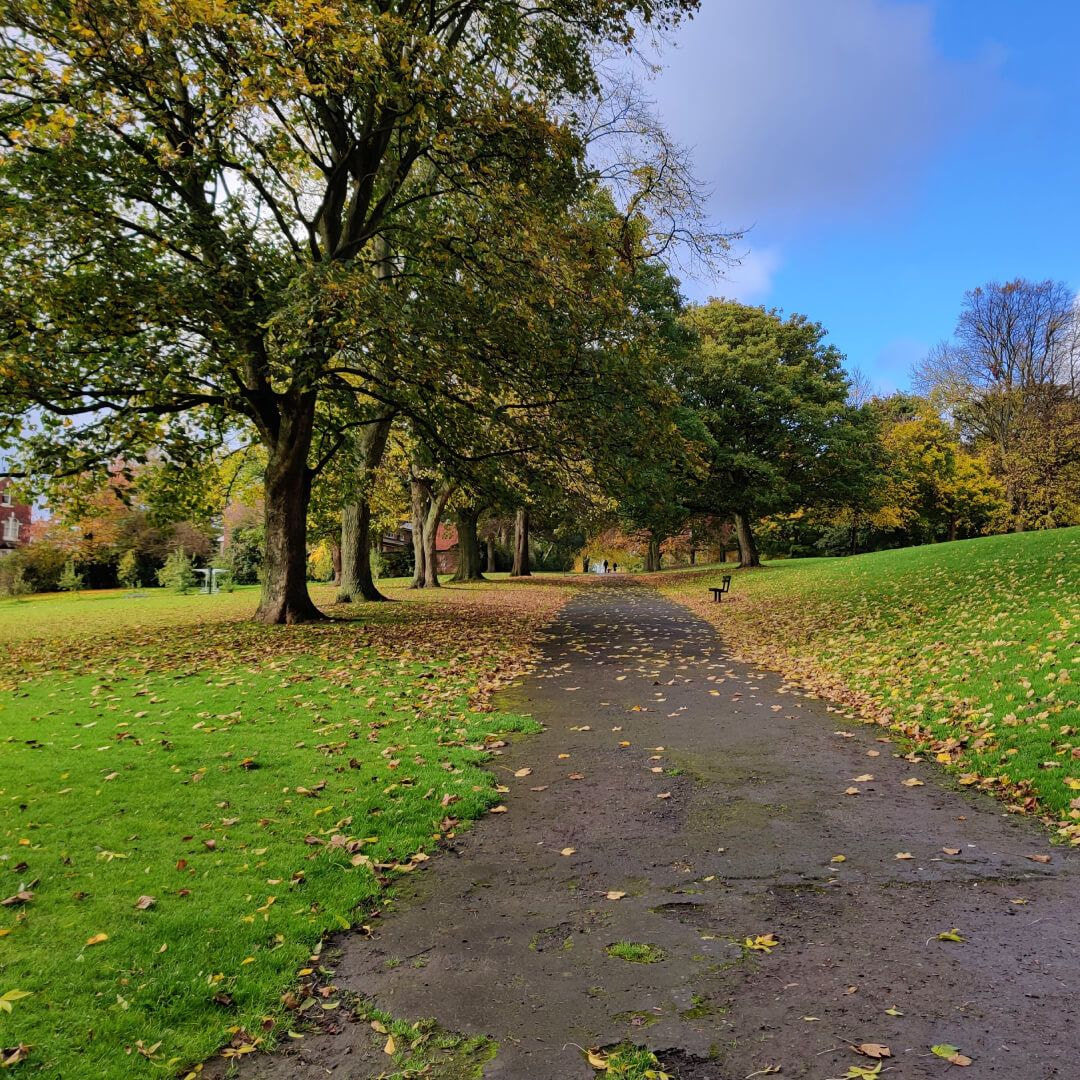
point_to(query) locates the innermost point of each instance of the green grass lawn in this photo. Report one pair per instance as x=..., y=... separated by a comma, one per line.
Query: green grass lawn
x=190, y=802
x=972, y=649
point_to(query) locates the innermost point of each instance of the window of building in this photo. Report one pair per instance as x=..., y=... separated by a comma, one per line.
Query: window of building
x=11, y=528
x=5, y=498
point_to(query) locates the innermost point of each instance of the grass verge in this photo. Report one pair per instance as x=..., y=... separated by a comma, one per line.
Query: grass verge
x=970, y=650
x=188, y=806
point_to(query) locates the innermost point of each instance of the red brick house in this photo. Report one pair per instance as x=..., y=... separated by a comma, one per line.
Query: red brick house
x=14, y=520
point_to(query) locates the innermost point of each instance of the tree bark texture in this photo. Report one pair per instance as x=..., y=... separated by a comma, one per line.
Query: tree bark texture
x=748, y=552
x=286, y=493
x=436, y=505
x=335, y=561
x=468, y=568
x=491, y=555
x=419, y=498
x=356, y=580
x=652, y=555
x=521, y=544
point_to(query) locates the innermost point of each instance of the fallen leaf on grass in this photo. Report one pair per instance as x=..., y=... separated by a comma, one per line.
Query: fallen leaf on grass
x=14, y=1055
x=390, y=1047
x=13, y=995
x=145, y=902
x=23, y=896
x=97, y=939
x=596, y=1060
x=951, y=1054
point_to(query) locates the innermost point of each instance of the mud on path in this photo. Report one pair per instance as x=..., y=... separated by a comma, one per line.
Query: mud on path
x=733, y=837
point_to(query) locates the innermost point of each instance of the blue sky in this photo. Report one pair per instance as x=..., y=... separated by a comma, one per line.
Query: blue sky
x=887, y=156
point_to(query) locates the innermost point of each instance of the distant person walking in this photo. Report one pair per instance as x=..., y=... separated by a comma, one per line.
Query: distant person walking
x=614, y=567
x=585, y=564
x=605, y=566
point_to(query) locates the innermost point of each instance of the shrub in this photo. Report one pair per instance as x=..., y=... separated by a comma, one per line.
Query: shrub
x=70, y=581
x=177, y=573
x=244, y=555
x=128, y=570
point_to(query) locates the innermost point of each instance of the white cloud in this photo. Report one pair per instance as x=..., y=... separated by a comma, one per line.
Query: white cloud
x=802, y=110
x=750, y=281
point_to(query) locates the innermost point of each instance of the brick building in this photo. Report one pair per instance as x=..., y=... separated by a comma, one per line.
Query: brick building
x=14, y=520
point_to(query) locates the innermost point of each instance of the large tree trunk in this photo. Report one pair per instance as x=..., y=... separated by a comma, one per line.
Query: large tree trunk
x=468, y=568
x=436, y=505
x=356, y=580
x=335, y=561
x=491, y=554
x=748, y=552
x=420, y=498
x=652, y=555
x=521, y=544
x=287, y=492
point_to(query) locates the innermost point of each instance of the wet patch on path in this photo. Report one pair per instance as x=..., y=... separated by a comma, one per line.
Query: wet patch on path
x=678, y=799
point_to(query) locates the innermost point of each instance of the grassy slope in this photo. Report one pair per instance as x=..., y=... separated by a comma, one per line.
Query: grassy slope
x=970, y=648
x=263, y=785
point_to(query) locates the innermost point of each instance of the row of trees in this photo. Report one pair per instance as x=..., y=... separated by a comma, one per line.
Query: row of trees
x=316, y=224
x=413, y=254
x=783, y=443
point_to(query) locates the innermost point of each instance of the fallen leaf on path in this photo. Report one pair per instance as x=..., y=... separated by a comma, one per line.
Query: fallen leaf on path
x=862, y=1072
x=951, y=1054
x=500, y=809
x=762, y=943
x=568, y=851
x=614, y=894
x=864, y=779
x=1033, y=858
x=913, y=781
x=893, y=1011
x=596, y=1060
x=664, y=795
x=950, y=935
x=838, y=858
x=903, y=855
x=523, y=772
x=852, y=791
x=951, y=850
x=873, y=1050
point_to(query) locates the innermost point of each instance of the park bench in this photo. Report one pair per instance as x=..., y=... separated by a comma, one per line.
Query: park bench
x=719, y=590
